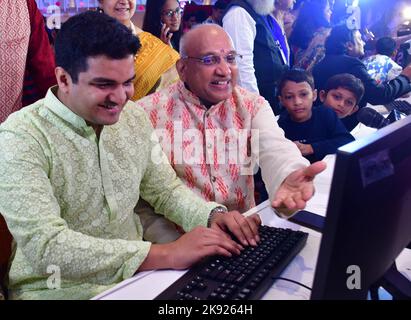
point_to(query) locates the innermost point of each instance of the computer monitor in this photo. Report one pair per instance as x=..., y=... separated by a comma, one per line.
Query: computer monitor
x=368, y=221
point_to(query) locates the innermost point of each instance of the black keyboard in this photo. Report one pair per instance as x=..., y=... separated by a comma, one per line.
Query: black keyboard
x=402, y=106
x=242, y=277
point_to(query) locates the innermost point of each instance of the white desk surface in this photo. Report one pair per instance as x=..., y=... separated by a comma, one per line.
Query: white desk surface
x=147, y=285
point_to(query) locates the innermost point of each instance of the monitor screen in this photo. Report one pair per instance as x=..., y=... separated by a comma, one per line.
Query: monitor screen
x=368, y=221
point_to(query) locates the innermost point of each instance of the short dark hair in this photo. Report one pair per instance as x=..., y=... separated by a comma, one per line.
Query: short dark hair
x=92, y=34
x=346, y=81
x=297, y=76
x=385, y=46
x=336, y=42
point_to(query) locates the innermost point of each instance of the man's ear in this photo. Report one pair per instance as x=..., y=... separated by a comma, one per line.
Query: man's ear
x=323, y=95
x=64, y=80
x=181, y=69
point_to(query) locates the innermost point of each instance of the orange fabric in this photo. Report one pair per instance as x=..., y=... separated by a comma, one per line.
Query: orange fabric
x=153, y=59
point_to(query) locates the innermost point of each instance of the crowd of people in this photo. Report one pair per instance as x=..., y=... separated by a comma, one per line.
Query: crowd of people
x=143, y=149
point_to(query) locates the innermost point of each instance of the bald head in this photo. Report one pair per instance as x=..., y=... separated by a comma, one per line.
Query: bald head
x=199, y=35
x=208, y=64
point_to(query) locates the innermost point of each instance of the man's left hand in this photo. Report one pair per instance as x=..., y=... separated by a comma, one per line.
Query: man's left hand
x=297, y=189
x=245, y=229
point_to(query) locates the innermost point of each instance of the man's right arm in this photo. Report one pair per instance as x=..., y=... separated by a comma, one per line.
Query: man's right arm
x=34, y=216
x=241, y=28
x=189, y=249
x=278, y=156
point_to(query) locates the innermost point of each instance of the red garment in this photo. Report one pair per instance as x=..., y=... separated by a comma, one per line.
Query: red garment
x=40, y=59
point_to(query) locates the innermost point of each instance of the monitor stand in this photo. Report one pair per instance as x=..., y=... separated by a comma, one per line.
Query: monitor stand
x=395, y=283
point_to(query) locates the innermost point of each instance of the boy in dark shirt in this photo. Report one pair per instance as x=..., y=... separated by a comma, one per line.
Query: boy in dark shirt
x=316, y=131
x=342, y=93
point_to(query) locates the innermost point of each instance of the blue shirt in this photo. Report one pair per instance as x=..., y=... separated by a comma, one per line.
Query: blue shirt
x=324, y=131
x=382, y=68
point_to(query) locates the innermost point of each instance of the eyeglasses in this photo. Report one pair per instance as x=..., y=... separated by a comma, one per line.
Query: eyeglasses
x=212, y=59
x=171, y=13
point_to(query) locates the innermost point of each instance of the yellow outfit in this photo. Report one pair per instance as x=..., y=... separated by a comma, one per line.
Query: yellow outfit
x=154, y=59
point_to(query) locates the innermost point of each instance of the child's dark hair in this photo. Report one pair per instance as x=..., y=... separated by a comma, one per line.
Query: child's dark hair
x=296, y=75
x=385, y=46
x=346, y=81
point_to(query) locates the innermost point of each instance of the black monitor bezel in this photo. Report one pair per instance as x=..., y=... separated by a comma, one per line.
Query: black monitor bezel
x=327, y=285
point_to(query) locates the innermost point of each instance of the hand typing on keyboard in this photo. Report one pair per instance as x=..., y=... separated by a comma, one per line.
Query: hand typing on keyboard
x=244, y=229
x=199, y=243
x=202, y=242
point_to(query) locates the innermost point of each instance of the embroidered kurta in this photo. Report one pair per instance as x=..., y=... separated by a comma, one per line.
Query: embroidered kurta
x=68, y=198
x=24, y=46
x=14, y=43
x=211, y=149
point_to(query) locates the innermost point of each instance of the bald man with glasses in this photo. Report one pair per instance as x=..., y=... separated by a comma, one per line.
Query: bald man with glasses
x=216, y=134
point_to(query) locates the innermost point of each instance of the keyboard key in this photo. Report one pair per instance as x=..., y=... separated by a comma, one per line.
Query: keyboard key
x=402, y=106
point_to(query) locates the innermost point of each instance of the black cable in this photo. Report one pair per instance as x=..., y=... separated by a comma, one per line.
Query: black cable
x=293, y=281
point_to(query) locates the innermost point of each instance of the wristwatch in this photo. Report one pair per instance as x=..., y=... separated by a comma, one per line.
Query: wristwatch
x=216, y=210
x=285, y=213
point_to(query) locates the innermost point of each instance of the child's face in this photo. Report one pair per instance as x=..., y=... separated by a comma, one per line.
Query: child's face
x=298, y=99
x=341, y=100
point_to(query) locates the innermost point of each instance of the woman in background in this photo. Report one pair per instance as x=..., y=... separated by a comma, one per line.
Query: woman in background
x=163, y=19
x=311, y=28
x=155, y=61
x=282, y=7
